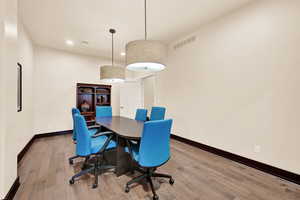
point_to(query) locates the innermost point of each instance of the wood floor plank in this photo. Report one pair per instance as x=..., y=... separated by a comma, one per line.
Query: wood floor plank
x=199, y=175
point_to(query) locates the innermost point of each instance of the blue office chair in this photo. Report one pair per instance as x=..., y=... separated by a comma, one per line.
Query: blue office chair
x=74, y=111
x=157, y=113
x=92, y=132
x=86, y=147
x=103, y=111
x=141, y=114
x=153, y=151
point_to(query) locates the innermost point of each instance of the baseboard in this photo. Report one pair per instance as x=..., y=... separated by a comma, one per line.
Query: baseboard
x=53, y=134
x=13, y=190
x=28, y=145
x=286, y=175
x=25, y=149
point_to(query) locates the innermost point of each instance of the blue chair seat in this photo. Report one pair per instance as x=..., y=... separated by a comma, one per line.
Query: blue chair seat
x=93, y=131
x=135, y=151
x=98, y=142
x=136, y=155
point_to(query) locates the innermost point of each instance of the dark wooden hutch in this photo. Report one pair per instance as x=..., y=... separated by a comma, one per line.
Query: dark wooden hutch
x=94, y=95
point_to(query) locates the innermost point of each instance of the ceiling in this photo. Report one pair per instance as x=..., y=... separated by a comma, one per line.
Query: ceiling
x=51, y=22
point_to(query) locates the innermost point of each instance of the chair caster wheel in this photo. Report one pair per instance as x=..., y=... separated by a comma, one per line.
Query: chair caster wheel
x=71, y=162
x=127, y=189
x=95, y=186
x=155, y=197
x=171, y=181
x=71, y=181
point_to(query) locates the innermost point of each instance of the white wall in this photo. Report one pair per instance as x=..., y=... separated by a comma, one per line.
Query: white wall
x=56, y=75
x=149, y=92
x=26, y=59
x=9, y=130
x=2, y=89
x=16, y=128
x=237, y=86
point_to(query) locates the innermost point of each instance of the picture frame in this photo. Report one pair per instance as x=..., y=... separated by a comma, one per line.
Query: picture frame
x=19, y=87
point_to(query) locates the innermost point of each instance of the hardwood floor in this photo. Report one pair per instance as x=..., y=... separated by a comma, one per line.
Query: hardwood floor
x=44, y=173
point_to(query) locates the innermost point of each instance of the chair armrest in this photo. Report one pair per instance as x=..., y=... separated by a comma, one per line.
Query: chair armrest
x=105, y=144
x=129, y=148
x=93, y=126
x=102, y=133
x=135, y=142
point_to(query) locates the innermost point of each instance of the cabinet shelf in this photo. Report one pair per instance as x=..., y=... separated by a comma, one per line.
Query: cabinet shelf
x=103, y=104
x=82, y=93
x=88, y=113
x=102, y=93
x=92, y=95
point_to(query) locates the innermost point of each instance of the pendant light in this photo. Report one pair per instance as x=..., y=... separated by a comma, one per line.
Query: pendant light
x=145, y=55
x=112, y=73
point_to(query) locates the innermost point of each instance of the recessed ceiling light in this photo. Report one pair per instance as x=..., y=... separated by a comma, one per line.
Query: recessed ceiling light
x=84, y=42
x=70, y=42
x=123, y=54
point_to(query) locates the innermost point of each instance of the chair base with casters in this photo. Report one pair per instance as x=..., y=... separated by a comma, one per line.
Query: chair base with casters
x=71, y=162
x=96, y=169
x=98, y=148
x=148, y=174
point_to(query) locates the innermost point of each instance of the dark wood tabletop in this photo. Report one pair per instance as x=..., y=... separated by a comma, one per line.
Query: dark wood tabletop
x=122, y=126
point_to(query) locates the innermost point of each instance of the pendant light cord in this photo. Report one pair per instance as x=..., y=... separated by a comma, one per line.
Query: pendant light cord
x=112, y=49
x=112, y=31
x=145, y=19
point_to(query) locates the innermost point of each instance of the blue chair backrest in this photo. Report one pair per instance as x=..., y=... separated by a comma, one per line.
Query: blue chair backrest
x=83, y=142
x=141, y=114
x=157, y=113
x=155, y=143
x=103, y=111
x=74, y=111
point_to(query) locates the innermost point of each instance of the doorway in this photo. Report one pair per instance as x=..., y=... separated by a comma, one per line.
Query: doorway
x=137, y=94
x=130, y=98
x=148, y=85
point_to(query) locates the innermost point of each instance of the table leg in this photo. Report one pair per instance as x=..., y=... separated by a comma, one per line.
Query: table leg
x=110, y=157
x=123, y=158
